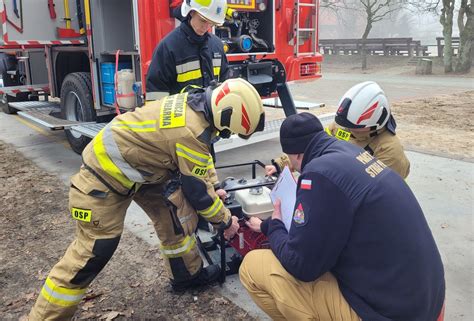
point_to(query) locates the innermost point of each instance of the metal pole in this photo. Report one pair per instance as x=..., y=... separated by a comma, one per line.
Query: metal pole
x=286, y=99
x=223, y=260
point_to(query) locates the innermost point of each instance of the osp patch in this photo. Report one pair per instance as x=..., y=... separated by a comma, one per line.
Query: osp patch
x=298, y=216
x=81, y=214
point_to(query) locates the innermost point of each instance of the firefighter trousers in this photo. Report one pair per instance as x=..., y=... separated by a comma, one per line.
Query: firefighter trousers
x=283, y=297
x=100, y=216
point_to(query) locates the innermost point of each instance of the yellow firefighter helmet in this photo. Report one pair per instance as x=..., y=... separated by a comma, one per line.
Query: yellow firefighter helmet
x=237, y=106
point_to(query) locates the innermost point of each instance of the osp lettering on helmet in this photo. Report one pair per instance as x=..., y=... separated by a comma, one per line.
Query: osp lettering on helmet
x=237, y=107
x=364, y=106
x=212, y=10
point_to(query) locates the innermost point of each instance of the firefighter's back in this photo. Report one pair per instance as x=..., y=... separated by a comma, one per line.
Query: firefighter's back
x=140, y=146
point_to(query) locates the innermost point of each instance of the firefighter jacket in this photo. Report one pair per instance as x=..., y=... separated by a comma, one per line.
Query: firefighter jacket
x=383, y=144
x=154, y=144
x=359, y=220
x=386, y=147
x=185, y=59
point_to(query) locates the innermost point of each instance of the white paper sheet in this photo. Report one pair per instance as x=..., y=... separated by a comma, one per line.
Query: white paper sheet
x=285, y=190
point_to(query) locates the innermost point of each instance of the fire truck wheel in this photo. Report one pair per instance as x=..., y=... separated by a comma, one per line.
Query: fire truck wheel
x=4, y=105
x=77, y=105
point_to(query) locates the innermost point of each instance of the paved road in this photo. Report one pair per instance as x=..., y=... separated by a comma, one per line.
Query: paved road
x=443, y=186
x=332, y=86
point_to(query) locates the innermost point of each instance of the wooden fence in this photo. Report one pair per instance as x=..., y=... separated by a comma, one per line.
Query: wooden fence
x=374, y=46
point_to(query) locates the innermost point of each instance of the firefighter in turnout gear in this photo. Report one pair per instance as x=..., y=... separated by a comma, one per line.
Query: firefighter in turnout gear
x=364, y=119
x=189, y=56
x=158, y=156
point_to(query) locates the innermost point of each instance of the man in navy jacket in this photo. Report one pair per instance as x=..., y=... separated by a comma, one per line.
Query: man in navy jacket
x=359, y=246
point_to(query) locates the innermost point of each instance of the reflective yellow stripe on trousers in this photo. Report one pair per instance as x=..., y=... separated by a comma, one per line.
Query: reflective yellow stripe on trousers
x=212, y=210
x=178, y=250
x=61, y=296
x=192, y=155
x=111, y=160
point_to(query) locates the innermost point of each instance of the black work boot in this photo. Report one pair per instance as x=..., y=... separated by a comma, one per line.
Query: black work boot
x=206, y=276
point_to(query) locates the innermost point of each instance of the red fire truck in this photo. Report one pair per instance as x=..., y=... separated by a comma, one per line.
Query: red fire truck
x=58, y=58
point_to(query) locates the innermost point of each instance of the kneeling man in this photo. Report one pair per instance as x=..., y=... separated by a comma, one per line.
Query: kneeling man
x=359, y=246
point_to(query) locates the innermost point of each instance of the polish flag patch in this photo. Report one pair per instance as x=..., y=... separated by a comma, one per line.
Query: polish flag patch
x=306, y=184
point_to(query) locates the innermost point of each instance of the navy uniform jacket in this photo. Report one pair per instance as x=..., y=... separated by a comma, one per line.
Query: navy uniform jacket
x=183, y=58
x=358, y=219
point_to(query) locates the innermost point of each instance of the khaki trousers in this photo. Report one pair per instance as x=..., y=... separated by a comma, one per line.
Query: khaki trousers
x=283, y=297
x=100, y=216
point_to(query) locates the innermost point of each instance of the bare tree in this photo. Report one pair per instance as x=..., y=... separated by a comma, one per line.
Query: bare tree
x=373, y=12
x=446, y=20
x=466, y=35
x=377, y=10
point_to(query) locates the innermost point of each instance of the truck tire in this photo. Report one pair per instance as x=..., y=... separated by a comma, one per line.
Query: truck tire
x=77, y=105
x=4, y=105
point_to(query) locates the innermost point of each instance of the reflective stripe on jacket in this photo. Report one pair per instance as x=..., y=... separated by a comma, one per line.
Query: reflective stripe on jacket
x=184, y=58
x=148, y=145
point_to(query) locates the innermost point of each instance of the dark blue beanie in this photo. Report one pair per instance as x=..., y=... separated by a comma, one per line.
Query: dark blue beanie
x=296, y=132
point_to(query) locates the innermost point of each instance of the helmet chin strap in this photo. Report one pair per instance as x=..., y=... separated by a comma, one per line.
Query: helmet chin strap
x=225, y=133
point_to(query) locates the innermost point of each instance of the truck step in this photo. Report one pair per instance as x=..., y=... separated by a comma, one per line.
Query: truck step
x=272, y=130
x=276, y=103
x=89, y=130
x=43, y=118
x=36, y=105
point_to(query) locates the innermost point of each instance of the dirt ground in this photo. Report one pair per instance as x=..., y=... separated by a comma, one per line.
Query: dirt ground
x=441, y=125
x=36, y=230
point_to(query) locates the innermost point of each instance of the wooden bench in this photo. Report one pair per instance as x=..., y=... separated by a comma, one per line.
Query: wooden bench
x=373, y=46
x=454, y=45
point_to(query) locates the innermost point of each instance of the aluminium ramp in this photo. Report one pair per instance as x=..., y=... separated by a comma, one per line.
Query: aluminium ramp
x=276, y=103
x=43, y=113
x=272, y=130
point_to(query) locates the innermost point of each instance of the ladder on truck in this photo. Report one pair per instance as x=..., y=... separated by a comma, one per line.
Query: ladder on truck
x=306, y=26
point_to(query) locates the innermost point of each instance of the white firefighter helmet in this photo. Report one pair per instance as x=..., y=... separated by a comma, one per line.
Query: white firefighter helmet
x=212, y=10
x=364, y=106
x=237, y=107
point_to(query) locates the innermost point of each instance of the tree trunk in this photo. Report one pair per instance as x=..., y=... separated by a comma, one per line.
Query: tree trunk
x=466, y=39
x=461, y=12
x=446, y=20
x=363, y=52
